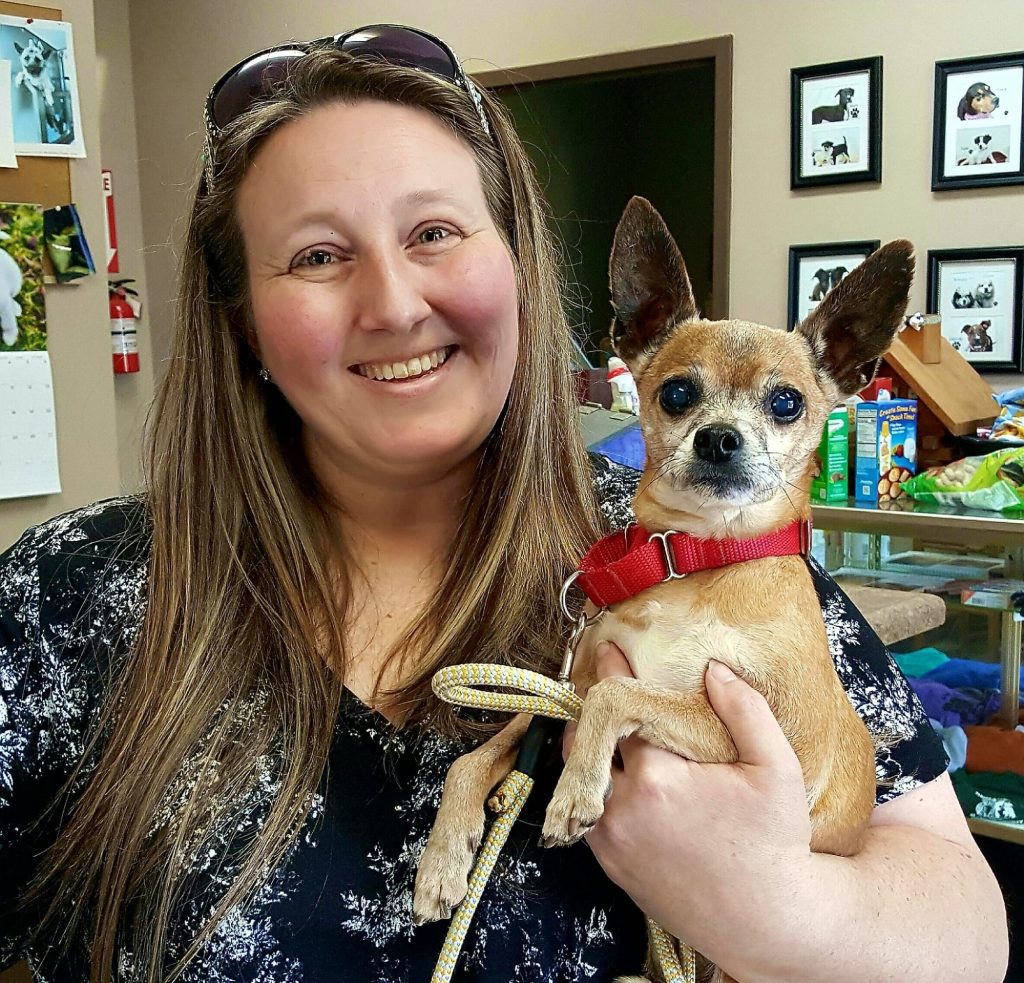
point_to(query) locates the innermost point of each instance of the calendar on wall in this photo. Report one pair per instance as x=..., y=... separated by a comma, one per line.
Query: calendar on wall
x=28, y=428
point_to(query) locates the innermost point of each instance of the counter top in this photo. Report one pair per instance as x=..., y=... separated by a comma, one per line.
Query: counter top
x=943, y=523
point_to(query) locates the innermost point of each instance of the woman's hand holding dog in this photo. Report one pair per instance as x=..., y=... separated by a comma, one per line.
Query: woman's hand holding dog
x=710, y=851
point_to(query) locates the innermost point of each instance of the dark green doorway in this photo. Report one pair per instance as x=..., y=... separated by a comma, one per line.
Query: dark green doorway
x=598, y=137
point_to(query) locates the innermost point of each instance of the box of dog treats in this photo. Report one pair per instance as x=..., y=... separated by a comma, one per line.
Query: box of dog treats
x=832, y=462
x=886, y=449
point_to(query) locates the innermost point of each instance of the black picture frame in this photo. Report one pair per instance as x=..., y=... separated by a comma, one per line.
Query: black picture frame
x=813, y=158
x=839, y=253
x=999, y=317
x=970, y=164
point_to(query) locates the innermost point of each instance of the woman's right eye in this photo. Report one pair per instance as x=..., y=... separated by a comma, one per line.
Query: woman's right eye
x=317, y=256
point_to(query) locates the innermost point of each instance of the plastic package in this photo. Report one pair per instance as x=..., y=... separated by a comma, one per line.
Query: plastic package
x=994, y=482
x=1009, y=425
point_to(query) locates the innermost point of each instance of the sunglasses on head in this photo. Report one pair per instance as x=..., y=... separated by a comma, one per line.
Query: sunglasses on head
x=255, y=77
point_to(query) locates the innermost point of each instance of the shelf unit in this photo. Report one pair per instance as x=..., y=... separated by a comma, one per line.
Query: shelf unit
x=947, y=525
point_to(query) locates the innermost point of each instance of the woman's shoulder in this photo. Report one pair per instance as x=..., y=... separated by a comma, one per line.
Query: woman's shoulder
x=97, y=528
x=75, y=576
x=72, y=591
x=89, y=538
x=615, y=486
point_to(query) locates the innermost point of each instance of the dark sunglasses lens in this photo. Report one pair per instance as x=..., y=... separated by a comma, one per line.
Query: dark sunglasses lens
x=401, y=47
x=254, y=79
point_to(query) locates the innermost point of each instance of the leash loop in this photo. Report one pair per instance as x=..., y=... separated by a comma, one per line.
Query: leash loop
x=481, y=686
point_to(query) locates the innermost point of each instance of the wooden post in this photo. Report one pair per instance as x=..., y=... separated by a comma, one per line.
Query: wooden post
x=923, y=338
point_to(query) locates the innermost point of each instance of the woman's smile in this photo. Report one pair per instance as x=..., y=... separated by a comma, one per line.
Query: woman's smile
x=405, y=370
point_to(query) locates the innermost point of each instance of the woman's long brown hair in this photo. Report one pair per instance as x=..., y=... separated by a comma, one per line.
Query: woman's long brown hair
x=240, y=660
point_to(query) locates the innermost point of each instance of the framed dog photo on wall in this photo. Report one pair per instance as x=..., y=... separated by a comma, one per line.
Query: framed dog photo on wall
x=978, y=136
x=815, y=269
x=977, y=293
x=836, y=123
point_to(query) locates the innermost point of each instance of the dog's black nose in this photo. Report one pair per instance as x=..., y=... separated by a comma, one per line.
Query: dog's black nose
x=717, y=443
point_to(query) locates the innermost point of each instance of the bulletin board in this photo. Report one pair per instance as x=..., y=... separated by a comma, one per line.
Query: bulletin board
x=42, y=181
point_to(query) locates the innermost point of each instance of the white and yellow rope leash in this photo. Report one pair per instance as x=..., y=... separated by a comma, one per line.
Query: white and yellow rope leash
x=512, y=690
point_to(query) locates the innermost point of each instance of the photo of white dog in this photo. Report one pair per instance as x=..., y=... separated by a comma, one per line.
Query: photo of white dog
x=10, y=287
x=22, y=304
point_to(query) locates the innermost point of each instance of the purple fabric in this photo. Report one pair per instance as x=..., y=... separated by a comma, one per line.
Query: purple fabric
x=955, y=707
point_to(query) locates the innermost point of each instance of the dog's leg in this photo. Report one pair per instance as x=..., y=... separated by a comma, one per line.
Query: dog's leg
x=615, y=708
x=441, y=880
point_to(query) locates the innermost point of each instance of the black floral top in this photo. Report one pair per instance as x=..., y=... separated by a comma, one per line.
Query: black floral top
x=339, y=907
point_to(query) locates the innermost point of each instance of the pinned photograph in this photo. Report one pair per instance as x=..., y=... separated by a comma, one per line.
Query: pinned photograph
x=816, y=269
x=977, y=293
x=43, y=85
x=978, y=138
x=22, y=304
x=836, y=125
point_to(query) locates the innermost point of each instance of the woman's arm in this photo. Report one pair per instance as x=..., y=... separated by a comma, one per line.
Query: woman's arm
x=745, y=889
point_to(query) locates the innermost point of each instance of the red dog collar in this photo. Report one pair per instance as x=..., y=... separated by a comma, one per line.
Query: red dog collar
x=627, y=562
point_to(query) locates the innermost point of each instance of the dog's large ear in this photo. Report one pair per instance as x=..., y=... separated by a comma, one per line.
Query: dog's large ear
x=854, y=326
x=650, y=288
x=18, y=48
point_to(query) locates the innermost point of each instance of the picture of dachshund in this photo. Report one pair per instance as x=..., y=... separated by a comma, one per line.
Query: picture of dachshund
x=978, y=102
x=836, y=113
x=978, y=338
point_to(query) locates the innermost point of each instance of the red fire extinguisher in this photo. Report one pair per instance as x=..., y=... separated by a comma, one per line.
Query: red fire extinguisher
x=122, y=327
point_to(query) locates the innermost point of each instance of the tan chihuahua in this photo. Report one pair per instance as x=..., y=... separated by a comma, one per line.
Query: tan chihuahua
x=732, y=413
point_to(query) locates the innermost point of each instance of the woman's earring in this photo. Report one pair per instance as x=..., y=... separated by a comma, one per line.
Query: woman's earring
x=264, y=374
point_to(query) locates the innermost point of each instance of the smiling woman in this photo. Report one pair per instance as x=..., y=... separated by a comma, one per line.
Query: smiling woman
x=316, y=540
x=407, y=262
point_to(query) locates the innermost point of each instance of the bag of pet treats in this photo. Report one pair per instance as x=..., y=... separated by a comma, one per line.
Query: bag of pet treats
x=994, y=482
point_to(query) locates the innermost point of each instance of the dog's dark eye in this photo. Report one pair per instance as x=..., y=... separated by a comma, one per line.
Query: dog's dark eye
x=677, y=395
x=786, y=405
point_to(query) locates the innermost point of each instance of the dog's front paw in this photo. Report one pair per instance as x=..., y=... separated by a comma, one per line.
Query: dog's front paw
x=443, y=877
x=572, y=813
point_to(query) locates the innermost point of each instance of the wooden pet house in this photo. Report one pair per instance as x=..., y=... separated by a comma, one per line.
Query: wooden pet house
x=953, y=400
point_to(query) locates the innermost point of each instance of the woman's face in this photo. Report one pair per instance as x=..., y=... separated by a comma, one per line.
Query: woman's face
x=383, y=297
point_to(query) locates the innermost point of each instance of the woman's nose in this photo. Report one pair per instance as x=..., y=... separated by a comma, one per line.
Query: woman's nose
x=388, y=294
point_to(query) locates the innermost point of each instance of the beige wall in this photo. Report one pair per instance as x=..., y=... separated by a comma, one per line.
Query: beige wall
x=179, y=48
x=79, y=332
x=132, y=393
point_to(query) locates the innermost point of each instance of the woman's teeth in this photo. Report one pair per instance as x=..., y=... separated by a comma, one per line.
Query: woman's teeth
x=406, y=370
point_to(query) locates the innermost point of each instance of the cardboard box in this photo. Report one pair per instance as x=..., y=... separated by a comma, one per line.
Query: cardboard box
x=886, y=449
x=832, y=462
